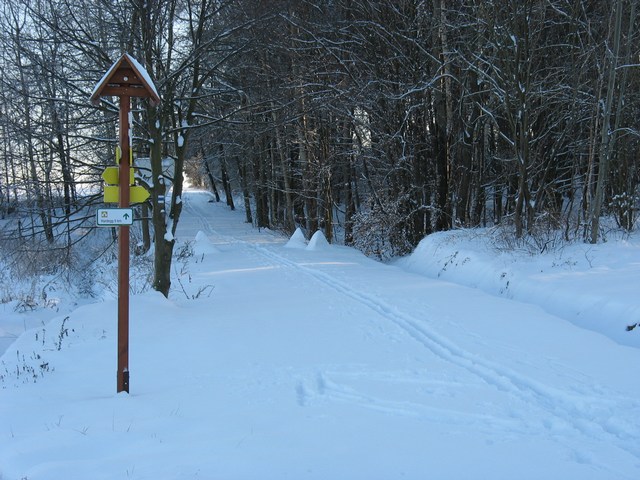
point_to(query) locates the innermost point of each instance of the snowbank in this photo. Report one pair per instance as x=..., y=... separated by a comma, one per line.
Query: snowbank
x=592, y=286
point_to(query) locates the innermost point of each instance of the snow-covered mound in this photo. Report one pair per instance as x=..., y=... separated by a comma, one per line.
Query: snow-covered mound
x=297, y=240
x=318, y=241
x=202, y=244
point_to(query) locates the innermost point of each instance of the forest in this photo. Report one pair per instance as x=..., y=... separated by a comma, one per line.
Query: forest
x=376, y=122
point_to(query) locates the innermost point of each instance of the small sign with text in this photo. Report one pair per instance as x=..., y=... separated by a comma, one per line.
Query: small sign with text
x=114, y=217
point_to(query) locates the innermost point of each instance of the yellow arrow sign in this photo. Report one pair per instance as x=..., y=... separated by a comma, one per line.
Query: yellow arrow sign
x=111, y=176
x=137, y=194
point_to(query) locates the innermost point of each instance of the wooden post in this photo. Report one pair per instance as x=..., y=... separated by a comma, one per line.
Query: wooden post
x=123, y=249
x=125, y=79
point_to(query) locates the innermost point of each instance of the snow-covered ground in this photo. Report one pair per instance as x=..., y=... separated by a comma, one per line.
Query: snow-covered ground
x=275, y=358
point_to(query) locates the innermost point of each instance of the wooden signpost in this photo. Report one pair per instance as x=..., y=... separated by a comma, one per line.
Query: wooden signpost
x=125, y=79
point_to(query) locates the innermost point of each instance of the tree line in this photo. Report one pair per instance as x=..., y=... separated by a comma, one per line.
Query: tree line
x=377, y=122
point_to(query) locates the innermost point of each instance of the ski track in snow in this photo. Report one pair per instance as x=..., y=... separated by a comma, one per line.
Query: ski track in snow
x=564, y=407
x=324, y=389
x=586, y=414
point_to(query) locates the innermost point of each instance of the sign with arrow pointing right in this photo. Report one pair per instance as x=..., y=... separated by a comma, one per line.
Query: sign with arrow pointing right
x=114, y=217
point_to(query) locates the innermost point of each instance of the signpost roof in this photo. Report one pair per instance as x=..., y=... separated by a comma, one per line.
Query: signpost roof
x=126, y=77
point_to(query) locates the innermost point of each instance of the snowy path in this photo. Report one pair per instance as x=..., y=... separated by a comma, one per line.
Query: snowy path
x=280, y=360
x=561, y=399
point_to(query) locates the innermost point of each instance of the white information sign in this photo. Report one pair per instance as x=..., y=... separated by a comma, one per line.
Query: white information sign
x=114, y=217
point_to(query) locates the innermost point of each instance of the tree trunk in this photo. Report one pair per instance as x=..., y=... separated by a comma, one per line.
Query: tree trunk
x=606, y=140
x=212, y=180
x=163, y=243
x=441, y=96
x=242, y=174
x=289, y=223
x=225, y=179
